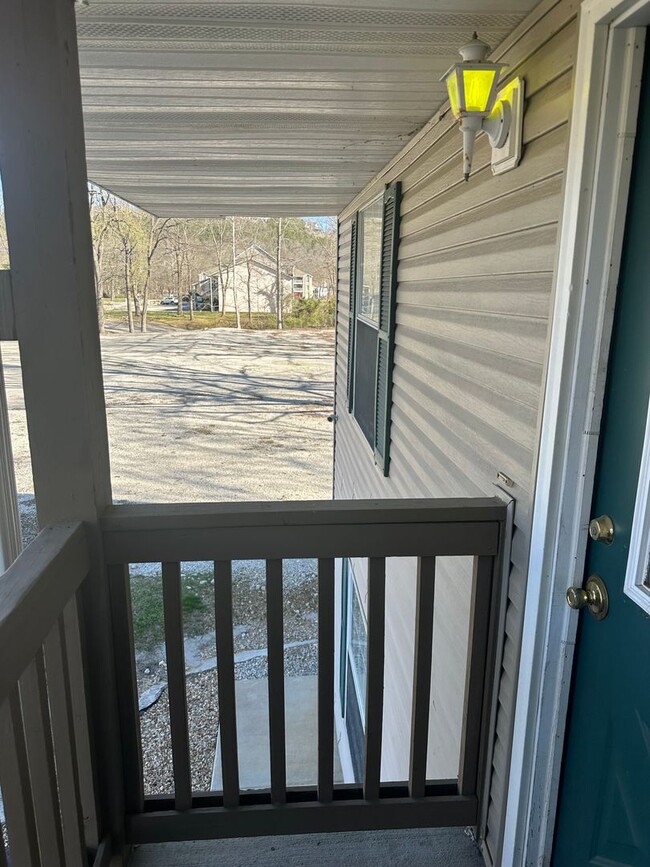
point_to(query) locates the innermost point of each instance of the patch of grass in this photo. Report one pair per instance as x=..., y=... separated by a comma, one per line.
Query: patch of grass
x=202, y=319
x=148, y=616
x=311, y=313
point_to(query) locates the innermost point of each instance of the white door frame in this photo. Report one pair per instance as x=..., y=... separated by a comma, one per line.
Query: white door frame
x=603, y=126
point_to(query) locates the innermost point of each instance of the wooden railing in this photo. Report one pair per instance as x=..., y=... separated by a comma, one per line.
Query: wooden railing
x=324, y=531
x=46, y=767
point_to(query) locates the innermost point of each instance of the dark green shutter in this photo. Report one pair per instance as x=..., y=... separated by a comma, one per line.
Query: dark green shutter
x=354, y=231
x=386, y=336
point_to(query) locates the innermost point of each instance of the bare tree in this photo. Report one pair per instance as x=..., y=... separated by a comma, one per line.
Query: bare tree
x=157, y=229
x=278, y=274
x=123, y=229
x=178, y=244
x=217, y=231
x=103, y=212
x=235, y=291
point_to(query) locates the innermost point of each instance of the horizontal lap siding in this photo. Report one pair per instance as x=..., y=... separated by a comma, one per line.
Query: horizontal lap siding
x=474, y=286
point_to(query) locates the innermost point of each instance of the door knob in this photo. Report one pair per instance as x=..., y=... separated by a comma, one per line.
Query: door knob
x=602, y=529
x=592, y=596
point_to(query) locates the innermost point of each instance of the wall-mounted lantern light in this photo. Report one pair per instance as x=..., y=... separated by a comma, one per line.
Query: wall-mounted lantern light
x=479, y=106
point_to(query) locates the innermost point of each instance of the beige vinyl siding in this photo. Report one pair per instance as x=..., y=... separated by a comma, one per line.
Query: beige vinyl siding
x=475, y=278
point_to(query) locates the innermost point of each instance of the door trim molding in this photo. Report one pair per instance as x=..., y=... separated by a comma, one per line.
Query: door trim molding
x=603, y=127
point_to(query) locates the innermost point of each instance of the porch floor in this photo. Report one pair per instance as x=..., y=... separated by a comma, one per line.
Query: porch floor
x=447, y=847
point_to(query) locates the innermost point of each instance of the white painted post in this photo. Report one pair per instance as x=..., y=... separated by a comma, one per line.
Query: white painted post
x=42, y=158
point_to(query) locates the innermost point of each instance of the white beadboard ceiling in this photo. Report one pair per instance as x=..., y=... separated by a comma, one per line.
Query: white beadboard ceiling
x=197, y=109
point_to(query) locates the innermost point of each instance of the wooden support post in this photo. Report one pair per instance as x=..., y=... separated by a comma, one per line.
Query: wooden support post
x=44, y=177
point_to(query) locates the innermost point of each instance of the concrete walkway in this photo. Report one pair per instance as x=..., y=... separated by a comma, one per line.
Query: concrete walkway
x=301, y=705
x=436, y=847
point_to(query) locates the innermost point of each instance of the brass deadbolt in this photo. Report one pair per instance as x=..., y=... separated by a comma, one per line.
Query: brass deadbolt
x=592, y=596
x=602, y=529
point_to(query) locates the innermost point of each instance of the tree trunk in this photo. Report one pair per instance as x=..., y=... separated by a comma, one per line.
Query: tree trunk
x=235, y=294
x=248, y=292
x=278, y=275
x=101, y=319
x=129, y=314
x=145, y=300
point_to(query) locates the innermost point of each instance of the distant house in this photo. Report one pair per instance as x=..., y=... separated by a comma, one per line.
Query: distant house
x=255, y=283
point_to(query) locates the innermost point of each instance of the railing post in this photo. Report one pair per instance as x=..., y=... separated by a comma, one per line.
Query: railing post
x=477, y=647
x=46, y=199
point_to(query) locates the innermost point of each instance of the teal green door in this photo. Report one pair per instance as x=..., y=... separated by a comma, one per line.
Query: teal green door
x=604, y=809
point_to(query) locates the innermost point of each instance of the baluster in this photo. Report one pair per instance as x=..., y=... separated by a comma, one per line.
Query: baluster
x=325, y=679
x=175, y=649
x=65, y=748
x=16, y=784
x=40, y=756
x=275, y=642
x=127, y=687
x=375, y=675
x=426, y=579
x=87, y=782
x=226, y=682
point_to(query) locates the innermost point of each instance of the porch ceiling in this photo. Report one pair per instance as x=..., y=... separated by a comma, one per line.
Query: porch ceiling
x=196, y=109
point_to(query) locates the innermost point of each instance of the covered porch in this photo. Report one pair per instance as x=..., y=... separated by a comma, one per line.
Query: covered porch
x=195, y=110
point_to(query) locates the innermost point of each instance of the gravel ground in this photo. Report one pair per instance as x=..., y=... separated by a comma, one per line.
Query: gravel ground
x=203, y=720
x=249, y=619
x=210, y=416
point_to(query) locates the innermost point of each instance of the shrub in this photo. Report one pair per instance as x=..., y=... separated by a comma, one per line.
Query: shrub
x=312, y=313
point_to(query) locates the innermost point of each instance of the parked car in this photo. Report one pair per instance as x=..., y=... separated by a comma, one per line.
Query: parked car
x=169, y=299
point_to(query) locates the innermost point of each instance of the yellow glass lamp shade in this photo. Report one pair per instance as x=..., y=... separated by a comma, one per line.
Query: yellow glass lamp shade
x=472, y=87
x=472, y=84
x=479, y=87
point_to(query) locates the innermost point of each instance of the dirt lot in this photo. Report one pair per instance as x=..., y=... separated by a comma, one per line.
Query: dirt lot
x=208, y=416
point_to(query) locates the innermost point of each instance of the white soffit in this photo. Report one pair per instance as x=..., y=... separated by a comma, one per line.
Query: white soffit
x=200, y=109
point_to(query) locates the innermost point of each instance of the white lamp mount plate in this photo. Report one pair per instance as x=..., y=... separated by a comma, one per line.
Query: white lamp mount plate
x=508, y=156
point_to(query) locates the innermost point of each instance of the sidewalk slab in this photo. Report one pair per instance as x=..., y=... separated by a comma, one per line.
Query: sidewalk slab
x=301, y=715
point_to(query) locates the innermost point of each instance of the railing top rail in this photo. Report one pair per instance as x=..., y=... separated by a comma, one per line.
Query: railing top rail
x=329, y=528
x=33, y=593
x=302, y=513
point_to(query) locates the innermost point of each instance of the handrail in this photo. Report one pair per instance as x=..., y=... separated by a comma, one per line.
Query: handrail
x=313, y=528
x=34, y=592
x=47, y=771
